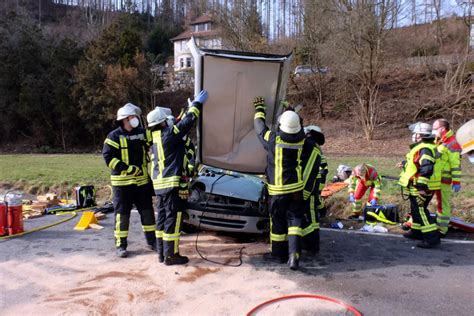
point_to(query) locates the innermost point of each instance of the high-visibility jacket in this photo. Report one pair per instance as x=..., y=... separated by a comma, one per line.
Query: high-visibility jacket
x=123, y=149
x=422, y=166
x=284, y=172
x=311, y=161
x=168, y=151
x=371, y=179
x=450, y=159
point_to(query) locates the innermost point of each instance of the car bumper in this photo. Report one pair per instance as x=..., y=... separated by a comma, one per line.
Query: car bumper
x=227, y=222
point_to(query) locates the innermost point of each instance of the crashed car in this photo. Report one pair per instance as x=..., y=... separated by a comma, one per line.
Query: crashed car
x=228, y=201
x=229, y=193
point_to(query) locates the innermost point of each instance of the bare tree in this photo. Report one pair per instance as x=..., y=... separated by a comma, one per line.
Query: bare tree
x=363, y=27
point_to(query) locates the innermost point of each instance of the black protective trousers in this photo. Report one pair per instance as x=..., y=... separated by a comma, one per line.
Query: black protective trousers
x=286, y=215
x=310, y=224
x=124, y=199
x=168, y=227
x=423, y=224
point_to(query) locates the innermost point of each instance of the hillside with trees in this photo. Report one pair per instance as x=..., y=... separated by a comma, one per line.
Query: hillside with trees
x=67, y=65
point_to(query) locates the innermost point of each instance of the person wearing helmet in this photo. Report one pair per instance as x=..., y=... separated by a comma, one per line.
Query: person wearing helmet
x=311, y=162
x=421, y=175
x=284, y=183
x=124, y=152
x=168, y=159
x=363, y=177
x=450, y=160
x=465, y=137
x=183, y=192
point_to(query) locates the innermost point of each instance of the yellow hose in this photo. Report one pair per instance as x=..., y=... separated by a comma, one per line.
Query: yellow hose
x=74, y=214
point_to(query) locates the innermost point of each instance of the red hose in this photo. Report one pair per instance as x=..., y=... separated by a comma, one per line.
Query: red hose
x=319, y=297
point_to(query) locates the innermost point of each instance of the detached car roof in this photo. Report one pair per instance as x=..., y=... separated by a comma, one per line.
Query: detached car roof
x=226, y=136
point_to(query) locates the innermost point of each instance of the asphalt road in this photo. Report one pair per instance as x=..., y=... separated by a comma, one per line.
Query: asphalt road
x=378, y=275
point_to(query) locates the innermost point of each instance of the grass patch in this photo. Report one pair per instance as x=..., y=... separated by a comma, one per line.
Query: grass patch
x=38, y=174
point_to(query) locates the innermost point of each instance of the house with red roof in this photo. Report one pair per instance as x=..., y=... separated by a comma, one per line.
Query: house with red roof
x=207, y=35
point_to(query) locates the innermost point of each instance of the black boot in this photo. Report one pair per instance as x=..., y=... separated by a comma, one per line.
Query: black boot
x=411, y=234
x=176, y=259
x=427, y=245
x=121, y=252
x=159, y=249
x=274, y=258
x=294, y=261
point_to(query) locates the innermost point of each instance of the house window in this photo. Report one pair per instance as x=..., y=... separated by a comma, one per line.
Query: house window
x=181, y=63
x=201, y=27
x=188, y=62
x=208, y=26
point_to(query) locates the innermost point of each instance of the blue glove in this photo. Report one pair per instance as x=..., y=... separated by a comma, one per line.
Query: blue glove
x=201, y=97
x=373, y=202
x=456, y=188
x=352, y=198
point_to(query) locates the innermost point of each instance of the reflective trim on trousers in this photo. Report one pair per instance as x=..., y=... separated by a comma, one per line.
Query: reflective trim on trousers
x=148, y=228
x=295, y=231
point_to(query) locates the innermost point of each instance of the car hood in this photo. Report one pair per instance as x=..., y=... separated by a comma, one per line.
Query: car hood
x=234, y=185
x=226, y=134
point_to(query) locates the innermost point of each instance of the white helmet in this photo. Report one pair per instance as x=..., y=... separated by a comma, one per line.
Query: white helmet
x=127, y=110
x=310, y=128
x=157, y=116
x=289, y=122
x=424, y=129
x=465, y=137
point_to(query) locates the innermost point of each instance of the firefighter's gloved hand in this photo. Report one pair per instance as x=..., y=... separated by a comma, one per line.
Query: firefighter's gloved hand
x=134, y=171
x=456, y=188
x=259, y=103
x=351, y=198
x=201, y=97
x=373, y=202
x=183, y=194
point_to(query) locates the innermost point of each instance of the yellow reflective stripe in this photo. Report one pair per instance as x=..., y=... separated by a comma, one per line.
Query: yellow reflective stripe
x=427, y=157
x=278, y=237
x=175, y=129
x=159, y=233
x=309, y=166
x=415, y=226
x=259, y=115
x=113, y=163
x=177, y=231
x=170, y=237
x=267, y=135
x=278, y=166
x=260, y=107
x=124, y=149
x=110, y=142
x=422, y=180
x=306, y=194
x=311, y=210
x=308, y=230
x=148, y=228
x=194, y=110
x=295, y=231
x=429, y=228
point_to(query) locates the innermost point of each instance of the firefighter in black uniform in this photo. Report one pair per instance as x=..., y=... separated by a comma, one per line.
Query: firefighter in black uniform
x=183, y=192
x=284, y=183
x=125, y=153
x=311, y=162
x=168, y=152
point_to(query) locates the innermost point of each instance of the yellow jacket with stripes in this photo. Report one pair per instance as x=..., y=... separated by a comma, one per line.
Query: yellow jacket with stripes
x=124, y=149
x=311, y=162
x=422, y=168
